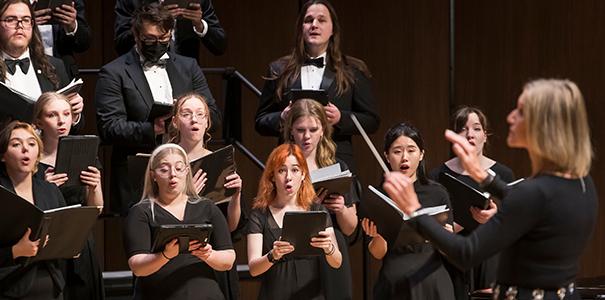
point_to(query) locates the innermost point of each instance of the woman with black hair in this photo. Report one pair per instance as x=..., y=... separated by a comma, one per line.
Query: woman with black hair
x=410, y=271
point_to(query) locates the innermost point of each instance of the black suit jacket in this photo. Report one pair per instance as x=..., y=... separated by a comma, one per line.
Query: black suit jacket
x=187, y=42
x=64, y=46
x=123, y=102
x=15, y=279
x=358, y=100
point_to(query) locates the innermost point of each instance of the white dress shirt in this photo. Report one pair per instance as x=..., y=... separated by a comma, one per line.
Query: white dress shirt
x=311, y=76
x=25, y=83
x=158, y=81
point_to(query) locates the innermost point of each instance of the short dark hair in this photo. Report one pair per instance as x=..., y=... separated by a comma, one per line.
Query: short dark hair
x=155, y=14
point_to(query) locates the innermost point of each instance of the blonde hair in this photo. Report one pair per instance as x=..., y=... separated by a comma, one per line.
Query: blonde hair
x=558, y=135
x=173, y=132
x=326, y=148
x=44, y=100
x=151, y=189
x=5, y=137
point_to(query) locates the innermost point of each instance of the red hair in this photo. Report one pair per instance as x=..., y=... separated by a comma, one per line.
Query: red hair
x=266, y=186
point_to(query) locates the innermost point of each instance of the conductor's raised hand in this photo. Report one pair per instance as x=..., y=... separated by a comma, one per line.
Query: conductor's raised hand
x=281, y=248
x=483, y=215
x=323, y=241
x=199, y=180
x=234, y=182
x=332, y=113
x=171, y=249
x=468, y=155
x=91, y=177
x=203, y=252
x=25, y=247
x=401, y=190
x=57, y=179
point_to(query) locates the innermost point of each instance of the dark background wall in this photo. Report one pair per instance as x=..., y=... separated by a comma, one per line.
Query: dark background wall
x=497, y=47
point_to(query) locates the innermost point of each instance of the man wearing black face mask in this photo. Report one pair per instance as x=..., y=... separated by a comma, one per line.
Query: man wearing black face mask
x=127, y=88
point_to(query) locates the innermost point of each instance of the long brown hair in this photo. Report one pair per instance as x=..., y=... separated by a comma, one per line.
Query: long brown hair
x=266, y=186
x=5, y=137
x=343, y=66
x=36, y=47
x=326, y=148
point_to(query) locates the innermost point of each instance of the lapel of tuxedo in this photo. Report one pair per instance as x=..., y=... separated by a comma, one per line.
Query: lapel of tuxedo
x=134, y=70
x=45, y=84
x=327, y=83
x=297, y=84
x=176, y=77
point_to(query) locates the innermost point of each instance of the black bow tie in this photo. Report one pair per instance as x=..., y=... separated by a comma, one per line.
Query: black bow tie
x=160, y=63
x=318, y=62
x=11, y=65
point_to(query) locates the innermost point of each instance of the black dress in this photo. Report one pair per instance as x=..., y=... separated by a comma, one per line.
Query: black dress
x=83, y=277
x=416, y=271
x=540, y=230
x=484, y=274
x=39, y=280
x=185, y=276
x=229, y=280
x=288, y=278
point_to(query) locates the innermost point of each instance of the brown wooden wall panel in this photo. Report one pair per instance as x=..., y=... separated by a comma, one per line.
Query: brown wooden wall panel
x=502, y=44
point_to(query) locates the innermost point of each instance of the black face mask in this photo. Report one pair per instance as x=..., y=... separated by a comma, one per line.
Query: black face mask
x=153, y=52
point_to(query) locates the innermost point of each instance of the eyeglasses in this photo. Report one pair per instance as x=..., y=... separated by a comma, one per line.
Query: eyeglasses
x=179, y=169
x=155, y=40
x=13, y=22
x=190, y=115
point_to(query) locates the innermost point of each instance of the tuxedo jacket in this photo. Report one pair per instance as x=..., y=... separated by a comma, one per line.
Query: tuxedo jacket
x=358, y=100
x=64, y=46
x=123, y=101
x=187, y=42
x=15, y=279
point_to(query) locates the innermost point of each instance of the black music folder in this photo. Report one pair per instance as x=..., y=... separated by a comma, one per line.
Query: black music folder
x=137, y=167
x=180, y=3
x=15, y=104
x=183, y=232
x=52, y=4
x=217, y=165
x=391, y=222
x=295, y=94
x=20, y=106
x=298, y=229
x=159, y=109
x=332, y=179
x=74, y=154
x=67, y=227
x=462, y=205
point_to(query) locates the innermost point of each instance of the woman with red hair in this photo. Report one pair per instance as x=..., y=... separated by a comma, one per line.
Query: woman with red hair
x=286, y=186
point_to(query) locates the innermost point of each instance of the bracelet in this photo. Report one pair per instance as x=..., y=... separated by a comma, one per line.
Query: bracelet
x=331, y=250
x=166, y=257
x=270, y=257
x=491, y=175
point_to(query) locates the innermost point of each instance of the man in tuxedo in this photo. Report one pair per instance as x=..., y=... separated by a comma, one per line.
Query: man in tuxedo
x=128, y=87
x=24, y=66
x=64, y=32
x=196, y=23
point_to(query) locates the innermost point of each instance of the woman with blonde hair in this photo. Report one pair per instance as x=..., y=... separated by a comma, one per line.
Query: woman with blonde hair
x=20, y=153
x=189, y=128
x=53, y=117
x=545, y=221
x=285, y=186
x=307, y=126
x=169, y=197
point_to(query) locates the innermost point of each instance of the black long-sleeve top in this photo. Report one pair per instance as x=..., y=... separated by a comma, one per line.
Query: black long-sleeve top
x=542, y=228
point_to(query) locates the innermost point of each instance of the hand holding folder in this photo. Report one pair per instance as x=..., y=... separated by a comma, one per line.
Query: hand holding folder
x=299, y=227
